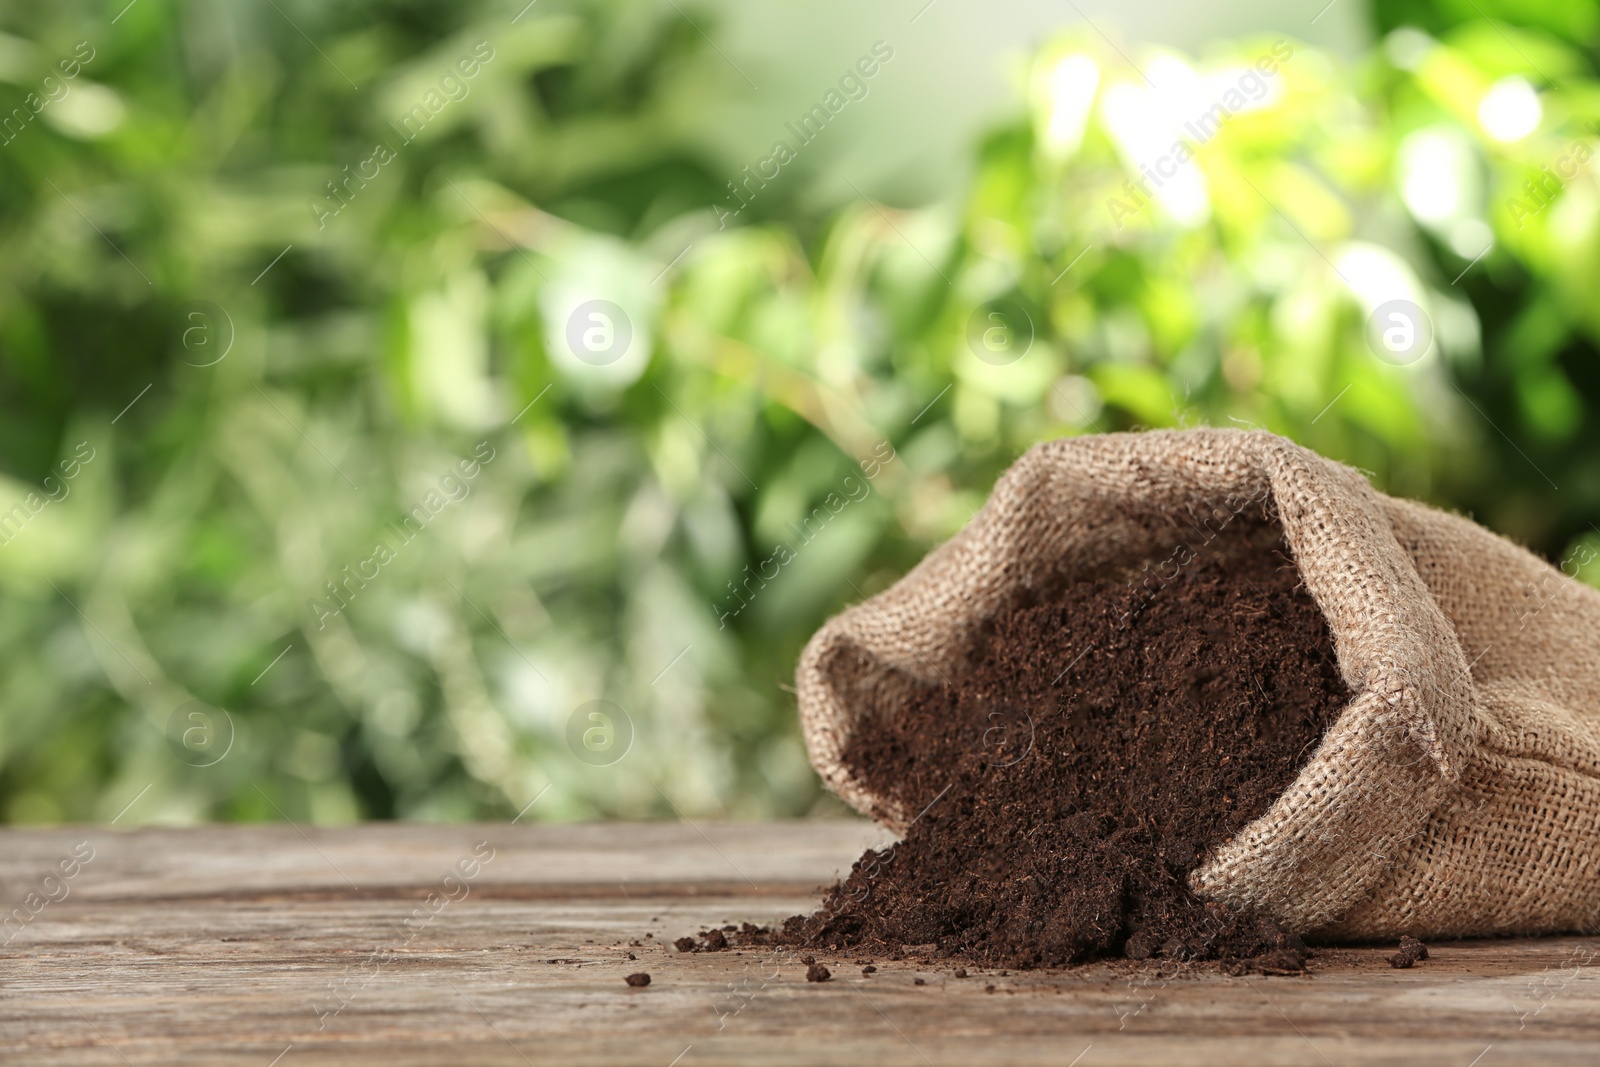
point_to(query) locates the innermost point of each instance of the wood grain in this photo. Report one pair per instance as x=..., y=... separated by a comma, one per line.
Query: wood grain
x=271, y=944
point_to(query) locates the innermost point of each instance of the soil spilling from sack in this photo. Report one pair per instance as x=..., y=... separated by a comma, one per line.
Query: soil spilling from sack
x=1105, y=738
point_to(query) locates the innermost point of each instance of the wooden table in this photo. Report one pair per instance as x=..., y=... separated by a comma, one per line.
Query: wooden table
x=263, y=945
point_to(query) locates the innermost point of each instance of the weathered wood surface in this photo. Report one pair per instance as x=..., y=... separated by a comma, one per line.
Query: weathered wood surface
x=269, y=944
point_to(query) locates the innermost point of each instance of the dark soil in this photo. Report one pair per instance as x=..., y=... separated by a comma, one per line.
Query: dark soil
x=1411, y=953
x=639, y=980
x=1103, y=739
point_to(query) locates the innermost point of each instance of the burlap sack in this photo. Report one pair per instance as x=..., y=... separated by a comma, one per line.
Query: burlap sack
x=1457, y=794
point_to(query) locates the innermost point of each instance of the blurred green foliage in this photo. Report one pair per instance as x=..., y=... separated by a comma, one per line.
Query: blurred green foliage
x=262, y=320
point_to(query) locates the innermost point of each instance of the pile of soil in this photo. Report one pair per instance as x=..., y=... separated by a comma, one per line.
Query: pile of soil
x=1411, y=952
x=1104, y=739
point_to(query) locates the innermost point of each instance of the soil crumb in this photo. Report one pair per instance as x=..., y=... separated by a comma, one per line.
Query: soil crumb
x=1411, y=953
x=1102, y=739
x=638, y=981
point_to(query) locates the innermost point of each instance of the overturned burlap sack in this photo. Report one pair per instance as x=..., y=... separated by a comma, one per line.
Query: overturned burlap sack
x=1457, y=794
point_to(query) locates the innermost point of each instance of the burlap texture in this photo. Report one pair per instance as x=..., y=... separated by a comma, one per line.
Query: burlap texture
x=1457, y=794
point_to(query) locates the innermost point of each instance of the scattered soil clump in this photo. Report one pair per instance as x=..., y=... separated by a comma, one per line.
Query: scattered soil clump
x=1411, y=953
x=638, y=981
x=1104, y=738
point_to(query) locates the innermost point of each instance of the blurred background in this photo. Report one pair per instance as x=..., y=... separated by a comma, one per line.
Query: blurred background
x=455, y=411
